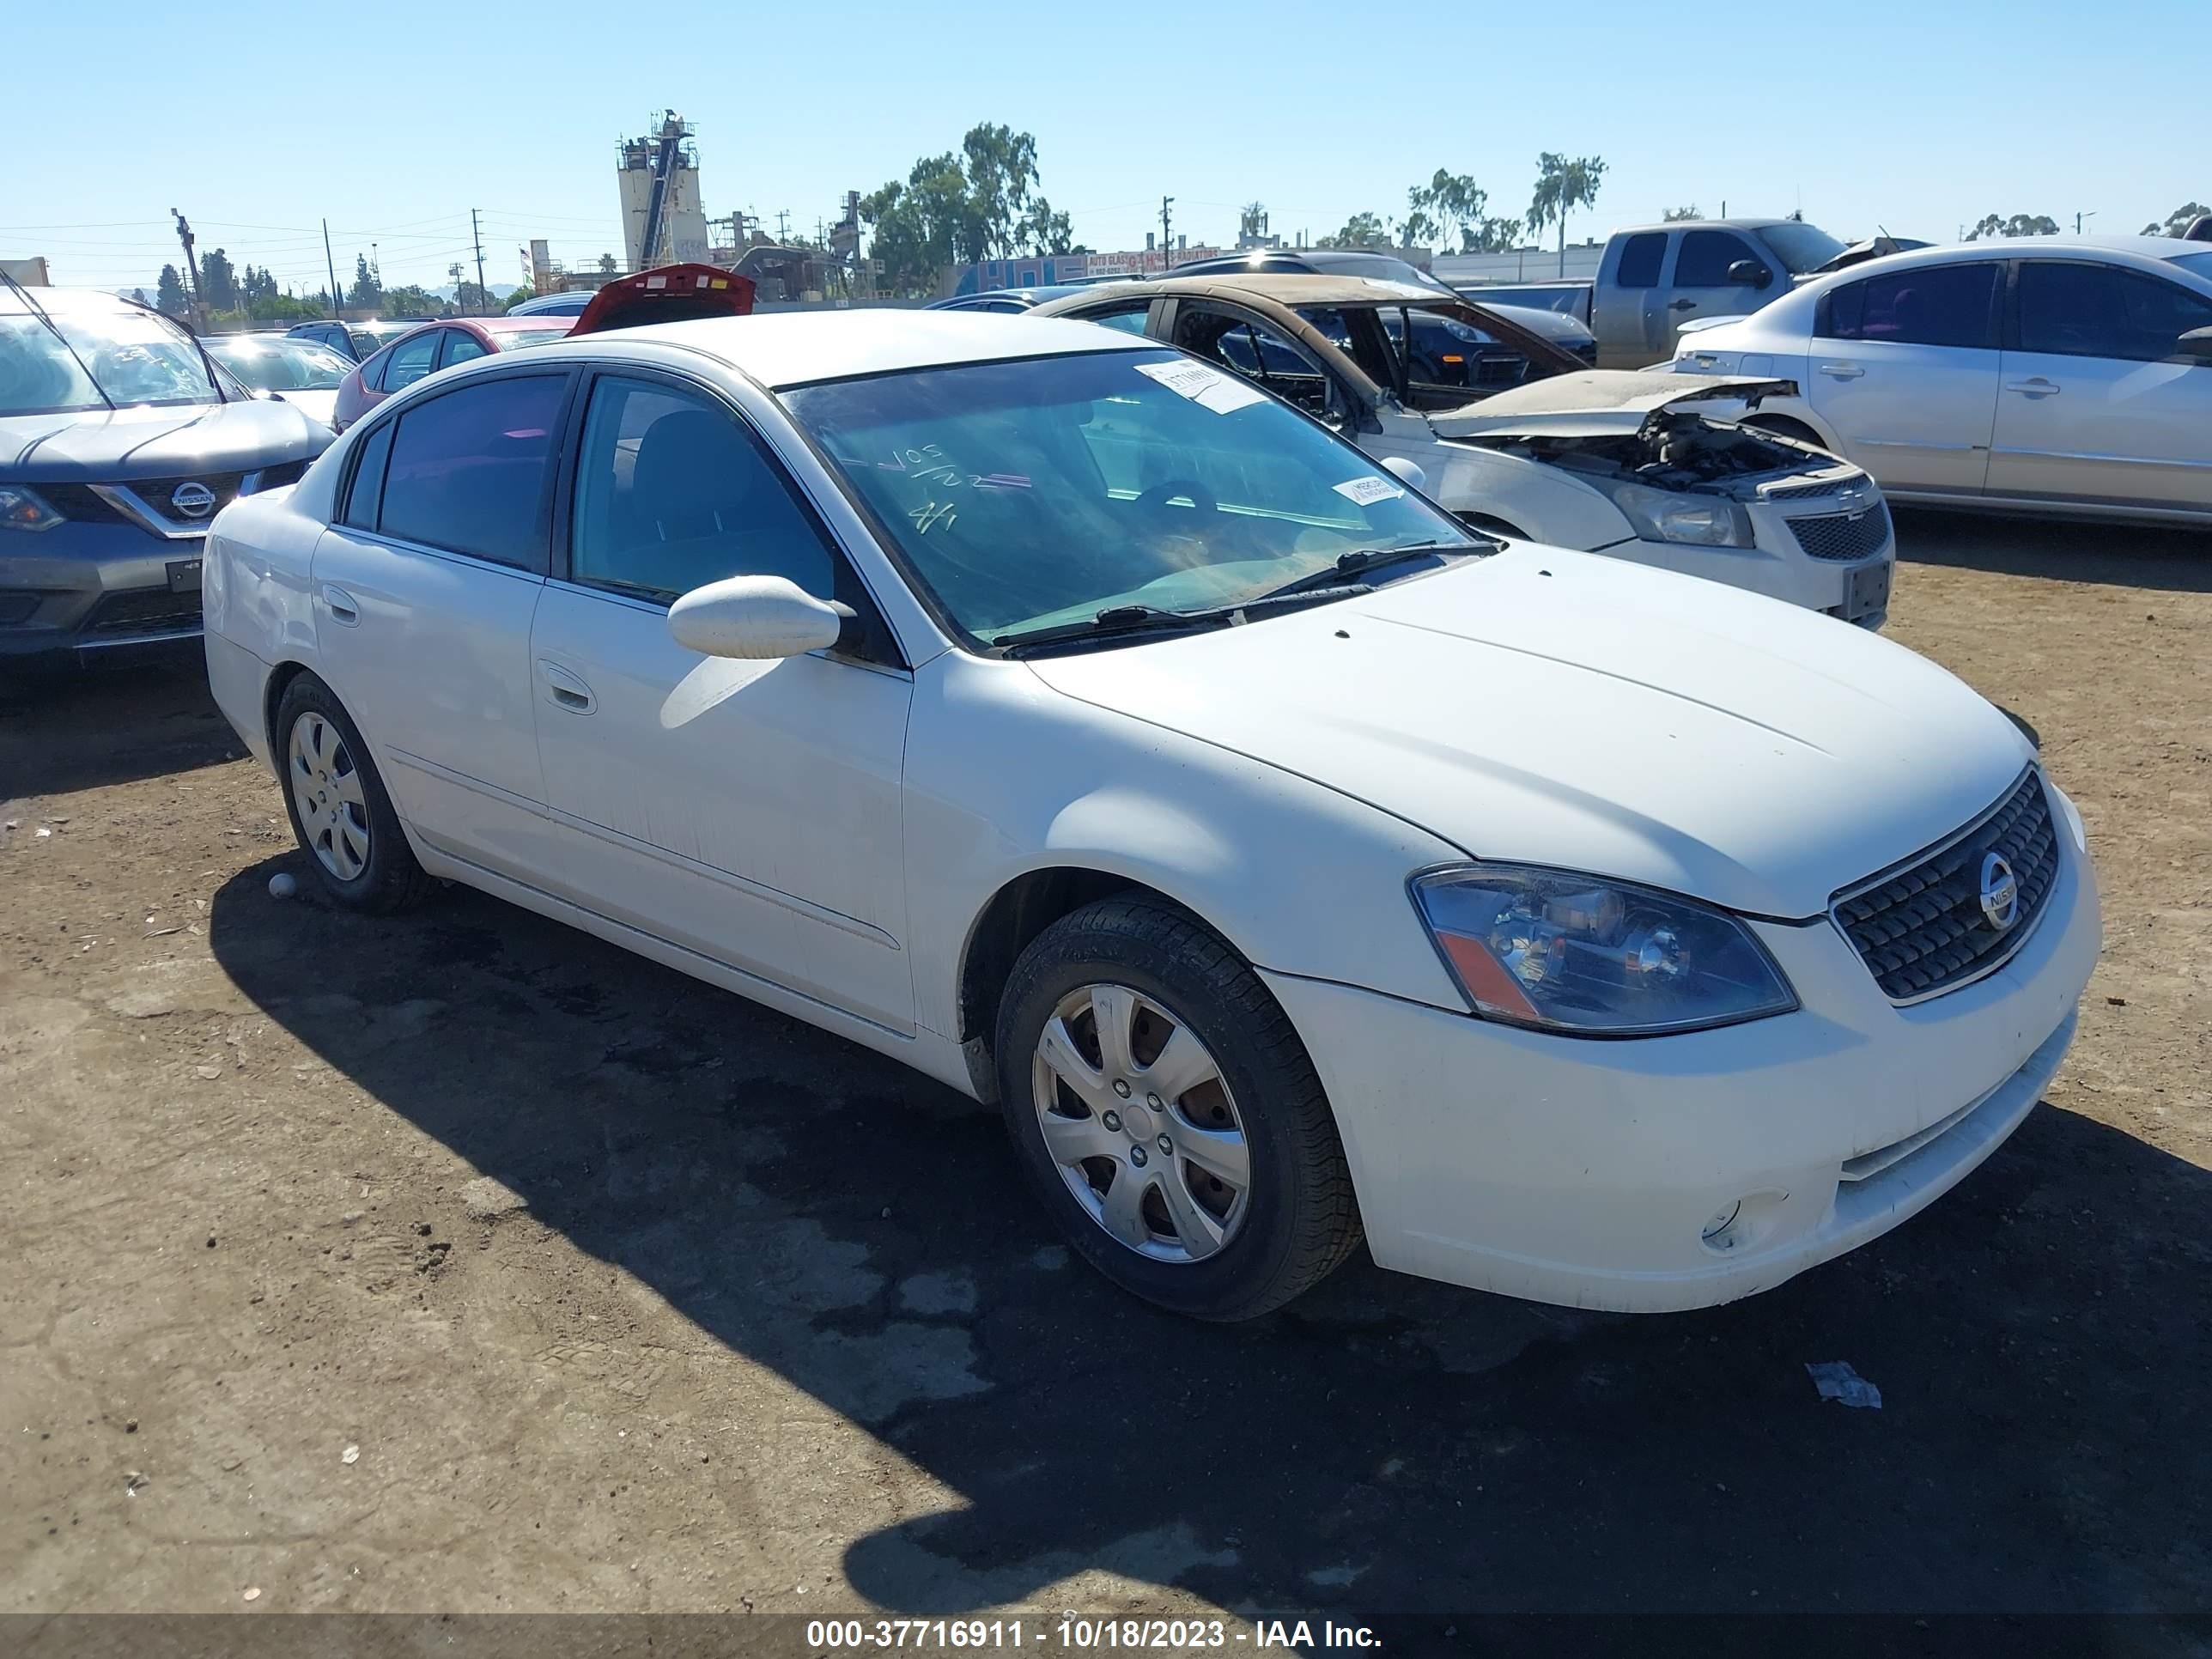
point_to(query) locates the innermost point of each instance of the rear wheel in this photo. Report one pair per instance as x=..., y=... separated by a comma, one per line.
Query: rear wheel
x=340, y=811
x=1168, y=1115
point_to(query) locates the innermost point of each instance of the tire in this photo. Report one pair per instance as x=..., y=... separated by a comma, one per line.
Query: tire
x=1295, y=1220
x=341, y=813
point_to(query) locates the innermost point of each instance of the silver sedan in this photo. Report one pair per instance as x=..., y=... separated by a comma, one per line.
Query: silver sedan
x=2035, y=373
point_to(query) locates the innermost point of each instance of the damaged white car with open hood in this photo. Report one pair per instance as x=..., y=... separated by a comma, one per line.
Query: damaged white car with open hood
x=1521, y=439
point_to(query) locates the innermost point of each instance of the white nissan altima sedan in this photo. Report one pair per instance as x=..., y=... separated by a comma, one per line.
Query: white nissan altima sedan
x=1287, y=861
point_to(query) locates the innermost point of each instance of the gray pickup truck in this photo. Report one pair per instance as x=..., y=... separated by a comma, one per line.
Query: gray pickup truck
x=1654, y=278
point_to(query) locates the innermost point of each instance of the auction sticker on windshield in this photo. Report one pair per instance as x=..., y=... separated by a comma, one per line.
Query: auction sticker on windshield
x=1209, y=388
x=1365, y=492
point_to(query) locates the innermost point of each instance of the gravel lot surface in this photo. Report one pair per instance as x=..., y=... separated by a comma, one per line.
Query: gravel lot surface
x=463, y=1263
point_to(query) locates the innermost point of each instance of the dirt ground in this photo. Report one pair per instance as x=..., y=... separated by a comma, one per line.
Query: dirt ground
x=463, y=1263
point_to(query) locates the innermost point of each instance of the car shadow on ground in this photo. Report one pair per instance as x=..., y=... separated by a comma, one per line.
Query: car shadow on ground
x=2123, y=556
x=67, y=729
x=2039, y=1338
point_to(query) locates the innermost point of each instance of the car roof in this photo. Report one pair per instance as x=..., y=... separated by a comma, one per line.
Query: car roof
x=1708, y=224
x=80, y=300
x=2150, y=249
x=795, y=348
x=510, y=323
x=1293, y=288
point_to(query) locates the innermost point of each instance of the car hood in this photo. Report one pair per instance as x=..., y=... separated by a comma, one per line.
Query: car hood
x=1568, y=709
x=111, y=445
x=1601, y=400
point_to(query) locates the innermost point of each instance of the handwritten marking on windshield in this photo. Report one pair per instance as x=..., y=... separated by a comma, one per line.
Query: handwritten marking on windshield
x=931, y=513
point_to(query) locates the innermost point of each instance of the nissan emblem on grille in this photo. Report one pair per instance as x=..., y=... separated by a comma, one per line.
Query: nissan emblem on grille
x=192, y=499
x=2000, y=892
x=1957, y=911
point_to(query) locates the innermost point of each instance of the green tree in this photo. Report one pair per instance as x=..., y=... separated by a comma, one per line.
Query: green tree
x=366, y=293
x=1677, y=216
x=607, y=266
x=411, y=301
x=1563, y=185
x=2019, y=224
x=1361, y=230
x=526, y=292
x=218, y=281
x=169, y=293
x=980, y=202
x=2177, y=220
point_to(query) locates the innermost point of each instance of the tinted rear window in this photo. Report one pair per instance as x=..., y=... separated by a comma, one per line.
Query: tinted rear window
x=1640, y=257
x=468, y=469
x=1931, y=305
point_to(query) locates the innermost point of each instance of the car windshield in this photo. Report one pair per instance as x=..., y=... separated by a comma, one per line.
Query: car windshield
x=2199, y=262
x=283, y=365
x=1801, y=246
x=131, y=355
x=1029, y=494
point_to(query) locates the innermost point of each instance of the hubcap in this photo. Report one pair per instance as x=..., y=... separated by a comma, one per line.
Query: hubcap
x=327, y=794
x=1138, y=1118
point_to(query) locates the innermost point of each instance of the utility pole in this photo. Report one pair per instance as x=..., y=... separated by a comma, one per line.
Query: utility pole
x=477, y=232
x=376, y=264
x=1167, y=247
x=193, y=264
x=333, y=265
x=782, y=226
x=2079, y=217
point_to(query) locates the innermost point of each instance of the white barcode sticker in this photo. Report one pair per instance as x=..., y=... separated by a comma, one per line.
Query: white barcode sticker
x=1365, y=492
x=1208, y=387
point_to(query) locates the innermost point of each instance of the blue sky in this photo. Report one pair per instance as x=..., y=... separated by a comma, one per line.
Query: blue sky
x=241, y=116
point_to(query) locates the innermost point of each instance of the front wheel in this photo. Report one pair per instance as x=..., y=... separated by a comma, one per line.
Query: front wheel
x=1168, y=1115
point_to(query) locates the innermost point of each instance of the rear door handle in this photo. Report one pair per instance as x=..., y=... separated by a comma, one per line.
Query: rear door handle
x=1682, y=304
x=564, y=690
x=1842, y=371
x=2037, y=387
x=340, y=605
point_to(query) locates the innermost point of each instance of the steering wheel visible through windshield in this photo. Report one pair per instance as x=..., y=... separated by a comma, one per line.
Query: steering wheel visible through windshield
x=1046, y=489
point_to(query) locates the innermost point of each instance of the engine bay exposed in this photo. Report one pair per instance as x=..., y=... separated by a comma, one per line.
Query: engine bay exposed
x=1673, y=450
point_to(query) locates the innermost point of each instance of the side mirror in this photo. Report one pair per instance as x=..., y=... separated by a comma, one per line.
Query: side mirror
x=755, y=619
x=2196, y=344
x=1749, y=273
x=1407, y=473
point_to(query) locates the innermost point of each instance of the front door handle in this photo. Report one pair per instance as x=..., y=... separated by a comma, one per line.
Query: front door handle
x=340, y=605
x=564, y=690
x=1682, y=304
x=2035, y=387
x=1842, y=371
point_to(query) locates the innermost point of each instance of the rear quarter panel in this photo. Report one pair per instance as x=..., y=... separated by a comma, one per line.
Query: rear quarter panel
x=255, y=596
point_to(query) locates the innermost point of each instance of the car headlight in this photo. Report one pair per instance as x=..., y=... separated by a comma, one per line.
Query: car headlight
x=2072, y=815
x=1666, y=515
x=1566, y=952
x=21, y=509
x=1460, y=330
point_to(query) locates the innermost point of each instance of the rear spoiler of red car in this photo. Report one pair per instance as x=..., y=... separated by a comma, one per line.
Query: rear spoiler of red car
x=667, y=294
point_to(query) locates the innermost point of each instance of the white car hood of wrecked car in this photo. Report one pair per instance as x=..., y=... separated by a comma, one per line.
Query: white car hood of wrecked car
x=1597, y=401
x=1562, y=709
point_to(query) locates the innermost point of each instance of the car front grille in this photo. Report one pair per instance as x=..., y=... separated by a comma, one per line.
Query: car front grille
x=1806, y=492
x=1843, y=537
x=1921, y=929
x=80, y=502
x=147, y=610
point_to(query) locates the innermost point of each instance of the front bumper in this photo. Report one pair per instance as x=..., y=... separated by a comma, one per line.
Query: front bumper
x=82, y=588
x=1586, y=1173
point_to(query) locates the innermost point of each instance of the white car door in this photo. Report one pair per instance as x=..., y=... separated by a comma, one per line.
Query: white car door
x=424, y=591
x=1904, y=371
x=2097, y=404
x=747, y=811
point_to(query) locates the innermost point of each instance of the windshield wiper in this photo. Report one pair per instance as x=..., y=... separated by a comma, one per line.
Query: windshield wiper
x=1117, y=620
x=1363, y=560
x=1122, y=621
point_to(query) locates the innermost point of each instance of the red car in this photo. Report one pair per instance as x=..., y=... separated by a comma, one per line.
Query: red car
x=434, y=346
